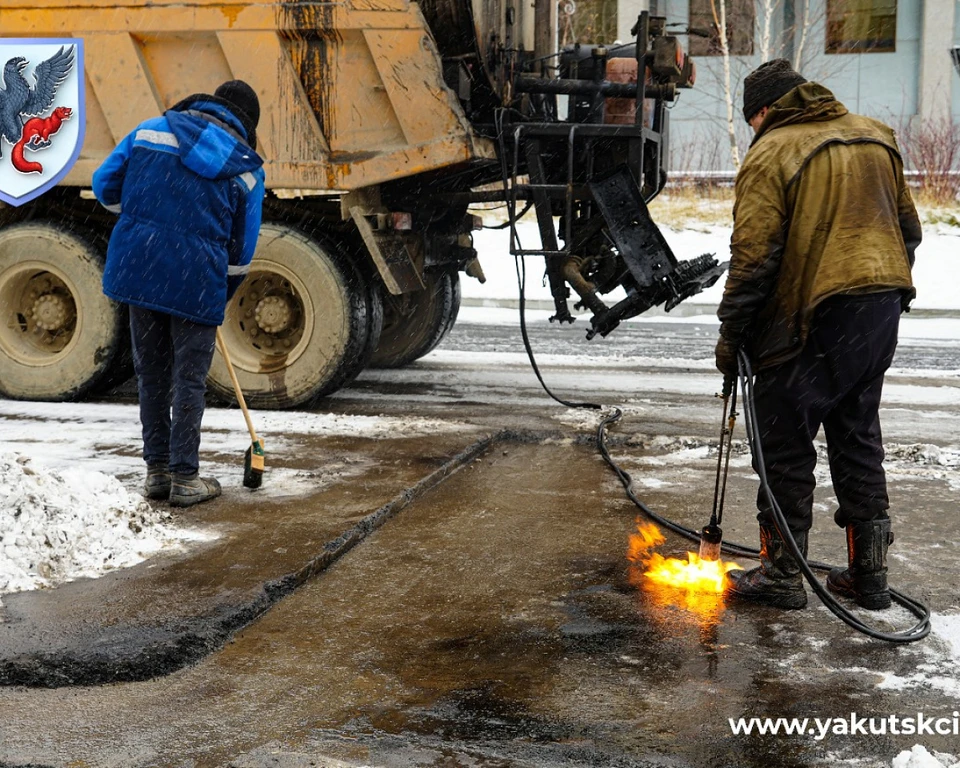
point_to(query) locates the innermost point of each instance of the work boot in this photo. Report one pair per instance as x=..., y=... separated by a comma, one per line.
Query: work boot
x=157, y=485
x=865, y=580
x=778, y=581
x=191, y=489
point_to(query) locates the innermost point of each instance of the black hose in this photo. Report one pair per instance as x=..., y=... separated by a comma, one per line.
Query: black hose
x=521, y=266
x=511, y=219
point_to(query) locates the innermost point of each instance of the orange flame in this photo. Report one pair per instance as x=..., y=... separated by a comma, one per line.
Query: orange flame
x=691, y=574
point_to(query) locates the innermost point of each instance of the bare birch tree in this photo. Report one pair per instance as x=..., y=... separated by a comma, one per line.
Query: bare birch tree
x=720, y=19
x=767, y=10
x=804, y=23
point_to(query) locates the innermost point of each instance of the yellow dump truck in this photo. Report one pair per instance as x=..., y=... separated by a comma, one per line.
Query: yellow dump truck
x=382, y=122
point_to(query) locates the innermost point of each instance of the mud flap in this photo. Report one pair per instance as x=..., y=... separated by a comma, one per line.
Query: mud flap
x=391, y=252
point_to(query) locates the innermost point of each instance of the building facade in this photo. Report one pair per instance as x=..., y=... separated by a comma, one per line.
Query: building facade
x=885, y=58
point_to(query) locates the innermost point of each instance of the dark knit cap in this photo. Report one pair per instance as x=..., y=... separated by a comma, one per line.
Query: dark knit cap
x=243, y=97
x=767, y=83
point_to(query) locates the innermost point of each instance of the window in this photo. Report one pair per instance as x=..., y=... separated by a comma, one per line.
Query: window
x=705, y=14
x=861, y=26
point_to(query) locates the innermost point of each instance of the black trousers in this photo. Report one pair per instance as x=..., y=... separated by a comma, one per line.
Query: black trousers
x=171, y=357
x=836, y=381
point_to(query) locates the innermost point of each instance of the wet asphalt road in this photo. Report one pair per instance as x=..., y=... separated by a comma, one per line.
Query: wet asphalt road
x=496, y=622
x=661, y=340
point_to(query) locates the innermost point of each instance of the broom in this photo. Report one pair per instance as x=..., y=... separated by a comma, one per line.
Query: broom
x=254, y=457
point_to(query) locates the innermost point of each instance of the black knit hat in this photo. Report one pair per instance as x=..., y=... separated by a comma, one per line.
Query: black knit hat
x=767, y=83
x=243, y=97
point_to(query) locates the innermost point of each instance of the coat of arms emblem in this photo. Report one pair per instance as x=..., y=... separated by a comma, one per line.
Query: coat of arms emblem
x=41, y=115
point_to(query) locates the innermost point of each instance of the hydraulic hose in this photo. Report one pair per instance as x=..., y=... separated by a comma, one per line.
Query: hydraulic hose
x=521, y=266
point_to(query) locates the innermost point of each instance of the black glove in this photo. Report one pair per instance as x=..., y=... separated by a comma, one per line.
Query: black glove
x=727, y=357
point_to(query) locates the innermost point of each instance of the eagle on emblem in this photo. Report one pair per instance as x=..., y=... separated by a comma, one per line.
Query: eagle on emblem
x=18, y=100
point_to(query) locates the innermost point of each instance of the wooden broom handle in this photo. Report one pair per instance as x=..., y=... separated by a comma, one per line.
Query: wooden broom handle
x=236, y=386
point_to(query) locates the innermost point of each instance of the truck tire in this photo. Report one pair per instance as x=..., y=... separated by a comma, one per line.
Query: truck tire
x=415, y=323
x=60, y=337
x=453, y=312
x=122, y=368
x=299, y=326
x=374, y=326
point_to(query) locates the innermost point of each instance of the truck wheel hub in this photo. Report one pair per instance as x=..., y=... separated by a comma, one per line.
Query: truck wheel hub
x=50, y=312
x=273, y=314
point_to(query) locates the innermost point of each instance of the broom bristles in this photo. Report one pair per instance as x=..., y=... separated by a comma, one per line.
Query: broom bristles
x=253, y=464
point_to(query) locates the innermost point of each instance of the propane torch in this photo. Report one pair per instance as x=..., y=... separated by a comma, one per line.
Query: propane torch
x=711, y=537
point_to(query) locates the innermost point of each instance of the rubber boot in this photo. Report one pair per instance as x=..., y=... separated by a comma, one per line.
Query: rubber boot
x=188, y=490
x=778, y=581
x=157, y=484
x=865, y=580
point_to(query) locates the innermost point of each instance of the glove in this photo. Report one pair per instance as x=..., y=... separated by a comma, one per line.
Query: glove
x=727, y=357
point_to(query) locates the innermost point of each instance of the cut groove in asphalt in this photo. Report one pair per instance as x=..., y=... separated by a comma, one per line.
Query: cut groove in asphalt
x=46, y=642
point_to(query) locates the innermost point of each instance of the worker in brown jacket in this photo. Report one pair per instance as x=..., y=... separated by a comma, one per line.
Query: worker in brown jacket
x=823, y=244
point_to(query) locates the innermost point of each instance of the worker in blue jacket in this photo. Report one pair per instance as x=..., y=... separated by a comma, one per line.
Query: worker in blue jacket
x=188, y=187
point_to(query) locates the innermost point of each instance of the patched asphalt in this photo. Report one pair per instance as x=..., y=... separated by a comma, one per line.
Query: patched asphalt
x=493, y=619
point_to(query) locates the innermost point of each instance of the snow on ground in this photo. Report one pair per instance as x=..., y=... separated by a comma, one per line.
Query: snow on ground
x=60, y=526
x=936, y=668
x=919, y=757
x=916, y=757
x=935, y=662
x=475, y=376
x=936, y=272
x=105, y=437
x=588, y=419
x=66, y=513
x=489, y=312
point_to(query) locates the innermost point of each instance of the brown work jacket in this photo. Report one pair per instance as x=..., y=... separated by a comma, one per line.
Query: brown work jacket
x=821, y=209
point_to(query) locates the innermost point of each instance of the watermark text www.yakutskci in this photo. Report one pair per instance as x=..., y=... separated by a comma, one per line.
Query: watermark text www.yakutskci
x=820, y=728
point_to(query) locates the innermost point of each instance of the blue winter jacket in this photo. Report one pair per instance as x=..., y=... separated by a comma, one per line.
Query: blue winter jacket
x=189, y=193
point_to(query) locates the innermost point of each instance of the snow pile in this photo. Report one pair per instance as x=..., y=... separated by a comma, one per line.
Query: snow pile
x=586, y=420
x=906, y=460
x=59, y=526
x=923, y=460
x=923, y=454
x=670, y=449
x=947, y=628
x=919, y=757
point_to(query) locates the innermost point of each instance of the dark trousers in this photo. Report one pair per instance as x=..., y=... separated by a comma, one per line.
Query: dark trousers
x=171, y=357
x=836, y=381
